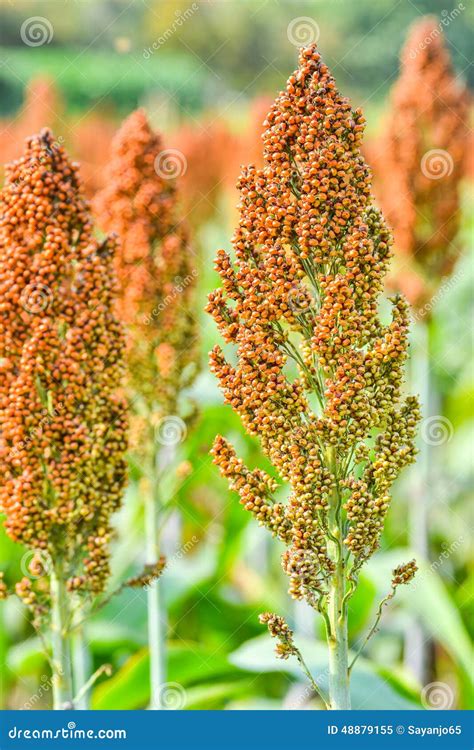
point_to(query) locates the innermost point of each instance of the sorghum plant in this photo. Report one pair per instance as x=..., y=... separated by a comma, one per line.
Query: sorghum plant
x=421, y=163
x=318, y=376
x=62, y=418
x=421, y=166
x=156, y=278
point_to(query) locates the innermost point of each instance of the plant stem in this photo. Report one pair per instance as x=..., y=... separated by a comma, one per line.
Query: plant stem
x=373, y=629
x=156, y=611
x=339, y=695
x=61, y=658
x=103, y=669
x=314, y=685
x=82, y=666
x=416, y=646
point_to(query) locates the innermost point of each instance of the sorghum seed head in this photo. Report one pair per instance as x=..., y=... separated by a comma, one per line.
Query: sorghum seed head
x=318, y=376
x=155, y=266
x=62, y=418
x=420, y=160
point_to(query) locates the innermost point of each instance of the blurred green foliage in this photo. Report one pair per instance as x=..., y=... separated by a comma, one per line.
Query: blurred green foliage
x=102, y=54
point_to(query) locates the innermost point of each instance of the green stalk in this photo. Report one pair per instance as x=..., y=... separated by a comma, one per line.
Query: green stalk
x=157, y=626
x=82, y=666
x=61, y=658
x=339, y=695
x=416, y=645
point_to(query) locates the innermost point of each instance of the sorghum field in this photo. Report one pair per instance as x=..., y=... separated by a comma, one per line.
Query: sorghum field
x=235, y=334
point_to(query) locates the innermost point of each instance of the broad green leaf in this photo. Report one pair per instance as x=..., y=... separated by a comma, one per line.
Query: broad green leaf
x=360, y=606
x=26, y=657
x=129, y=687
x=215, y=695
x=105, y=636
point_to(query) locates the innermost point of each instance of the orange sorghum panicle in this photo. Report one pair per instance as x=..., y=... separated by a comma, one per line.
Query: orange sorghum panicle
x=155, y=265
x=62, y=418
x=420, y=162
x=318, y=375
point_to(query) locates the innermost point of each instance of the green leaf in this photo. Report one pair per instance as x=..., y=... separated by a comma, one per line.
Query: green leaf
x=106, y=637
x=214, y=696
x=129, y=687
x=27, y=657
x=361, y=605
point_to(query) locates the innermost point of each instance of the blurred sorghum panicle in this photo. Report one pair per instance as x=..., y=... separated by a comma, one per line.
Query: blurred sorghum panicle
x=62, y=417
x=155, y=265
x=420, y=162
x=318, y=376
x=157, y=282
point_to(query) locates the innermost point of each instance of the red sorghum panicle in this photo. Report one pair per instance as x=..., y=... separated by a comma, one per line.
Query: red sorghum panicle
x=420, y=162
x=155, y=264
x=62, y=418
x=318, y=375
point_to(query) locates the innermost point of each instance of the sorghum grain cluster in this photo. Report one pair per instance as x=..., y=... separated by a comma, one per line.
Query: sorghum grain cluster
x=62, y=418
x=155, y=264
x=318, y=375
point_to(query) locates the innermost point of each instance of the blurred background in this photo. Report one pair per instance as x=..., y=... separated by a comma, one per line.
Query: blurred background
x=206, y=73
